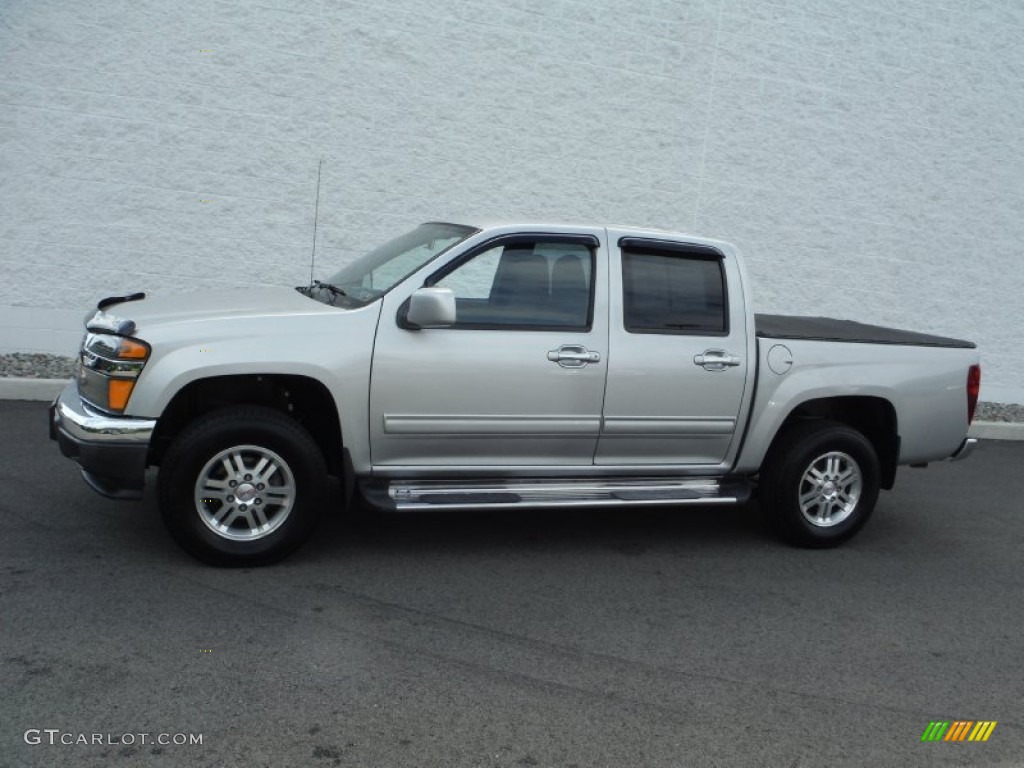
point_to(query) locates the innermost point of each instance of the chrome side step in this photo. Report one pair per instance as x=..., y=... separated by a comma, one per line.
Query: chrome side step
x=505, y=493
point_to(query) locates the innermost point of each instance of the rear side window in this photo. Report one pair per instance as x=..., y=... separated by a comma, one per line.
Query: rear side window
x=673, y=292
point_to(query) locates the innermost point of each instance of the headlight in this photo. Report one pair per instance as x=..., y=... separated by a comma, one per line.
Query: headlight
x=109, y=367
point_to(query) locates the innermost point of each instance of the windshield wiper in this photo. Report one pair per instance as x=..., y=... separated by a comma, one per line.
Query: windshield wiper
x=332, y=288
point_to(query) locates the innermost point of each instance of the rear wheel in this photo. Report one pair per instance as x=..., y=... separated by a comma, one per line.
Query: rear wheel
x=820, y=483
x=242, y=486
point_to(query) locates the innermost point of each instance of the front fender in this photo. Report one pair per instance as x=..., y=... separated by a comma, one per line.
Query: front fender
x=335, y=350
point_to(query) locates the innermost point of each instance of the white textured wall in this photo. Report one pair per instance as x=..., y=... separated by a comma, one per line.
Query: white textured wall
x=867, y=156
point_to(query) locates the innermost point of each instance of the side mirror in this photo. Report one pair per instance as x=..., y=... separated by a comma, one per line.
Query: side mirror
x=430, y=308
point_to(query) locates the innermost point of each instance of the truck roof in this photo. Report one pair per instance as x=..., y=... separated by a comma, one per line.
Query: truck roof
x=483, y=222
x=486, y=223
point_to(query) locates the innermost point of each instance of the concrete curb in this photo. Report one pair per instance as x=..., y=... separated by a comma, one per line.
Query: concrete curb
x=997, y=430
x=13, y=388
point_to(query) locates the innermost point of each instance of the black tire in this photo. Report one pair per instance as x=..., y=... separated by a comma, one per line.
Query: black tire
x=786, y=475
x=248, y=434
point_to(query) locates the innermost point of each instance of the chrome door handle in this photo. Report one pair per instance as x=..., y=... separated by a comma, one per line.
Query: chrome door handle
x=715, y=360
x=573, y=356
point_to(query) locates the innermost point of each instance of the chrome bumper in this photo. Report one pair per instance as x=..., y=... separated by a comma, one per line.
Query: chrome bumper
x=81, y=422
x=111, y=450
x=966, y=449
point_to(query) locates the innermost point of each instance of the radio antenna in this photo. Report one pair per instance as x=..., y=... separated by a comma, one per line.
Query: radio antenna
x=316, y=215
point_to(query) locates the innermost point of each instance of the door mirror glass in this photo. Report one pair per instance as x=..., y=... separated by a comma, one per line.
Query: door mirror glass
x=431, y=308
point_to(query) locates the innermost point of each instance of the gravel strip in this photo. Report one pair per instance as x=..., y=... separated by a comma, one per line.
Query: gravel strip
x=999, y=412
x=39, y=366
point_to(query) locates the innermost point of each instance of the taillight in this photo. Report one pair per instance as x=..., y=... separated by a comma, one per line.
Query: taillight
x=973, y=388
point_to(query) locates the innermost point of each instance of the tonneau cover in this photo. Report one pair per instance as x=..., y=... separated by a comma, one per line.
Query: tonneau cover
x=829, y=329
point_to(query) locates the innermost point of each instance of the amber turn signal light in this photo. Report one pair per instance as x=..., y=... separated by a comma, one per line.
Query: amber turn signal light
x=119, y=392
x=132, y=350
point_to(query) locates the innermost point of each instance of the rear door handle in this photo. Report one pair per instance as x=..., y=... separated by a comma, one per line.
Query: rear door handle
x=715, y=360
x=573, y=356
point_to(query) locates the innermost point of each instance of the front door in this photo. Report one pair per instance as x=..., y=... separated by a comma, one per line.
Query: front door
x=517, y=381
x=678, y=351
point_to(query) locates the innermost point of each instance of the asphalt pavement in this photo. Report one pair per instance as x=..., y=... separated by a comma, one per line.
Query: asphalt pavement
x=537, y=638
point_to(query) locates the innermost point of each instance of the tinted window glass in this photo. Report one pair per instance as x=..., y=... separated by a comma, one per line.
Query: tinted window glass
x=524, y=285
x=668, y=292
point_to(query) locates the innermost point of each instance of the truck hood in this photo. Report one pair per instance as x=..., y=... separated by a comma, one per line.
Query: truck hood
x=213, y=305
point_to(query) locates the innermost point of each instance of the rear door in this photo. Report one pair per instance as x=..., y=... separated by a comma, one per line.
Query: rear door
x=679, y=373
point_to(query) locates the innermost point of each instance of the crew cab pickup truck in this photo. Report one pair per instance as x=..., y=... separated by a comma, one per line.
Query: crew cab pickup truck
x=504, y=365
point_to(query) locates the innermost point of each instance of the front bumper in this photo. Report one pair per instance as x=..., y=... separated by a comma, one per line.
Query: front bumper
x=111, y=450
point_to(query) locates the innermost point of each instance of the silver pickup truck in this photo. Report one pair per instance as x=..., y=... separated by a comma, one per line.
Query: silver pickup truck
x=498, y=366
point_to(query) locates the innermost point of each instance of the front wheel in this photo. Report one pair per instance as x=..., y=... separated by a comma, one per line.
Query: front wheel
x=242, y=486
x=820, y=483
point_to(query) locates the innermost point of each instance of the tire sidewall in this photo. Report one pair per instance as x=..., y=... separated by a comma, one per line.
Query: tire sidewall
x=201, y=442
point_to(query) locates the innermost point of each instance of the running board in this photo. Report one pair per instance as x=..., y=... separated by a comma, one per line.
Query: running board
x=411, y=495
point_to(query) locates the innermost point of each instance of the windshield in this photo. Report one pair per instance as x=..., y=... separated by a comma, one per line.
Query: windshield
x=371, y=276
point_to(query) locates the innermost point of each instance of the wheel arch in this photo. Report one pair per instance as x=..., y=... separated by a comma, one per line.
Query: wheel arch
x=302, y=398
x=874, y=417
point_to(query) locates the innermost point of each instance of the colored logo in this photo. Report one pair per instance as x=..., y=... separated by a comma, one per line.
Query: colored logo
x=958, y=730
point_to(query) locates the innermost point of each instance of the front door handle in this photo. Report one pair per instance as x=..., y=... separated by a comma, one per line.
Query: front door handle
x=573, y=356
x=715, y=360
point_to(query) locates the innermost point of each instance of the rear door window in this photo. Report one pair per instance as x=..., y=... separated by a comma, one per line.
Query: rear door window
x=673, y=292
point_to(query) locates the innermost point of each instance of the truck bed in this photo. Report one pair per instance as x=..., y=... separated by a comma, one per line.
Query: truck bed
x=829, y=329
